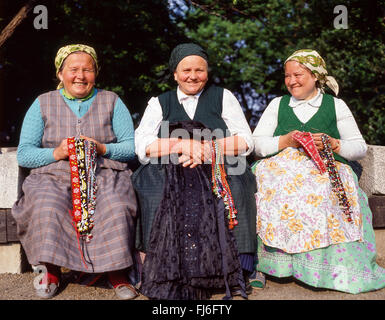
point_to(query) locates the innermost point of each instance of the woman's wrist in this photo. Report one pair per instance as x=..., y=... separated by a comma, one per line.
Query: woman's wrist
x=101, y=149
x=284, y=141
x=336, y=146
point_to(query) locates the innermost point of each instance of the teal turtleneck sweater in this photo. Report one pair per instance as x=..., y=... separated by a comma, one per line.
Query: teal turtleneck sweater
x=31, y=155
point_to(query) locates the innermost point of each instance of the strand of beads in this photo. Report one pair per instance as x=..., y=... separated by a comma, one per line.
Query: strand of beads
x=91, y=181
x=335, y=179
x=220, y=186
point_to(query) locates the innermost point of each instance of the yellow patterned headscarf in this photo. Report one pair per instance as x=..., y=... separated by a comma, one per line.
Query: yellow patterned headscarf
x=314, y=62
x=65, y=51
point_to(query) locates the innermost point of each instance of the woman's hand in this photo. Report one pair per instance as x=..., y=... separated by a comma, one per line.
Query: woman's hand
x=287, y=140
x=61, y=152
x=100, y=147
x=335, y=143
x=193, y=152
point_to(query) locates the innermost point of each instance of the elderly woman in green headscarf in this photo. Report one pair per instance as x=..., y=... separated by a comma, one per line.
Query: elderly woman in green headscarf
x=46, y=227
x=313, y=220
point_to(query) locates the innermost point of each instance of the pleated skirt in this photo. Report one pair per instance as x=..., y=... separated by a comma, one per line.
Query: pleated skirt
x=45, y=226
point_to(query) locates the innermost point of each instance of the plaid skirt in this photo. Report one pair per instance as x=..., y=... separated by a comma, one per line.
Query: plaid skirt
x=46, y=231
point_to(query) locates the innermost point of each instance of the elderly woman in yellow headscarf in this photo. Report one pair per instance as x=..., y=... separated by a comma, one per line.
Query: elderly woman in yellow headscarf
x=78, y=207
x=313, y=220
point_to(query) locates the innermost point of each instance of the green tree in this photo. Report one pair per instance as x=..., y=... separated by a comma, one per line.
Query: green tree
x=248, y=41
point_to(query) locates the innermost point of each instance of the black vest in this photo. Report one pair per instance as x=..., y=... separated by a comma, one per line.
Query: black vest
x=208, y=112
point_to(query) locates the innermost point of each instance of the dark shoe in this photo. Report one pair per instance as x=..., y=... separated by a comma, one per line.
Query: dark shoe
x=237, y=291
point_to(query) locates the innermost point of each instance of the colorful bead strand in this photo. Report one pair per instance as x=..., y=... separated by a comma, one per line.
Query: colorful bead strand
x=220, y=186
x=335, y=179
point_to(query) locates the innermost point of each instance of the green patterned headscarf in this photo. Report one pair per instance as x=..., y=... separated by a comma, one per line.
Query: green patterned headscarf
x=64, y=52
x=314, y=62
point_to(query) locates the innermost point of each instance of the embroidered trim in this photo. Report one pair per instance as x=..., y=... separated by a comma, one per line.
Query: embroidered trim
x=307, y=142
x=82, y=157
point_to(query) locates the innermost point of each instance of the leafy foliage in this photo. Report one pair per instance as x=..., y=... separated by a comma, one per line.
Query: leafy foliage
x=133, y=40
x=248, y=41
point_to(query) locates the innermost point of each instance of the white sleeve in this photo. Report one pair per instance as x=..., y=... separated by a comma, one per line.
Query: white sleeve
x=352, y=144
x=147, y=131
x=264, y=142
x=236, y=122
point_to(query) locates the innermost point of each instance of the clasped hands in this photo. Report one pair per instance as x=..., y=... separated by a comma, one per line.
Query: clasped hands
x=61, y=152
x=192, y=152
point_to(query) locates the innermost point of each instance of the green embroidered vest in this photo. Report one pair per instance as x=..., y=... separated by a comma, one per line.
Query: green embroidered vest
x=324, y=120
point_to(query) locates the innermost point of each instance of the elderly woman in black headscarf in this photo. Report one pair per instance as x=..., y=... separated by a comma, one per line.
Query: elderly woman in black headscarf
x=194, y=240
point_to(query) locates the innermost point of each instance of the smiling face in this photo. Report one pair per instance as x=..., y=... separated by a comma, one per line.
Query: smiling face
x=78, y=74
x=300, y=81
x=191, y=74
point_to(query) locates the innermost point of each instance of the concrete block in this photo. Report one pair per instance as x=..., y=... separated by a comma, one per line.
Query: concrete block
x=372, y=180
x=377, y=206
x=380, y=244
x=12, y=258
x=9, y=178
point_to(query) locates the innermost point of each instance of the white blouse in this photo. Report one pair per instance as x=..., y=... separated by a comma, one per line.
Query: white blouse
x=352, y=144
x=232, y=114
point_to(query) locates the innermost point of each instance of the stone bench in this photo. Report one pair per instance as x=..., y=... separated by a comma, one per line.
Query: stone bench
x=12, y=256
x=372, y=181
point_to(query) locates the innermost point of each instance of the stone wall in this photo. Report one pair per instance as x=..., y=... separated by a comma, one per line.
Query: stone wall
x=372, y=181
x=9, y=177
x=12, y=257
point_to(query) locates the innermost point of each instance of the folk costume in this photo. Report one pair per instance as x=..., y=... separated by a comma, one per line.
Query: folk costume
x=183, y=226
x=43, y=213
x=307, y=228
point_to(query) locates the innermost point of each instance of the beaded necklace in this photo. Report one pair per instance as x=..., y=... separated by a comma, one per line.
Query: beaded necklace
x=220, y=186
x=335, y=179
x=82, y=157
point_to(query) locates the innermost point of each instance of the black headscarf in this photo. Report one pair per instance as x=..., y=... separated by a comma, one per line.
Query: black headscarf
x=183, y=50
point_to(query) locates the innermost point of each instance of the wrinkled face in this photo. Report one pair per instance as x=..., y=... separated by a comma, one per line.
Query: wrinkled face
x=78, y=74
x=191, y=74
x=300, y=81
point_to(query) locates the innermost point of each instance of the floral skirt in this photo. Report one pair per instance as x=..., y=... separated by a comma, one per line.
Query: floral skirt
x=347, y=266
